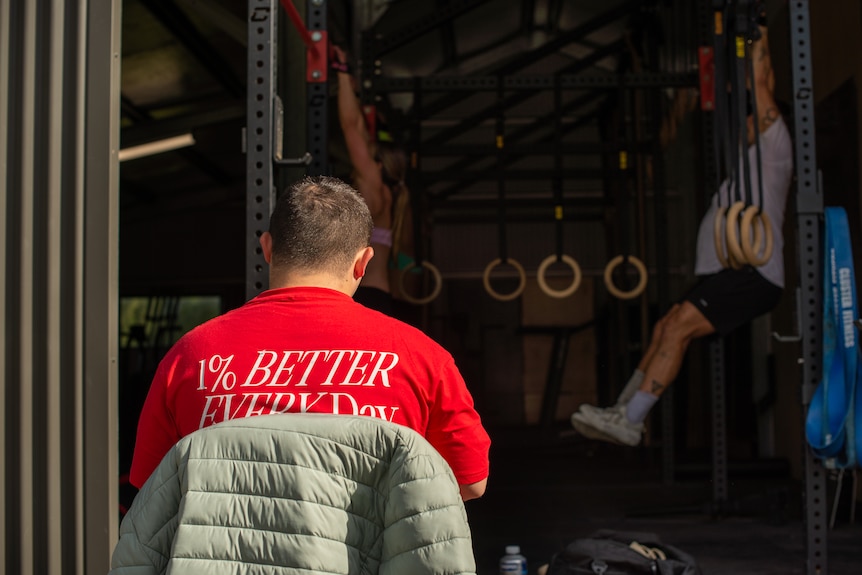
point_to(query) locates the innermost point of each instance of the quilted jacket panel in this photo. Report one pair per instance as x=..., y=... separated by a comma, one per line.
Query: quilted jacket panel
x=298, y=494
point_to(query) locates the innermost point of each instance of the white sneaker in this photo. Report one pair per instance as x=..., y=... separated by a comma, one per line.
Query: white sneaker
x=596, y=410
x=607, y=424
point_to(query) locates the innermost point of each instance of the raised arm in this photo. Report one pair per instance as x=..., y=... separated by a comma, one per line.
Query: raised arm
x=764, y=82
x=358, y=141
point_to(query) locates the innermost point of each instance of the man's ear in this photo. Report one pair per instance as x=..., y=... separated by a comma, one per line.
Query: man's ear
x=266, y=246
x=361, y=262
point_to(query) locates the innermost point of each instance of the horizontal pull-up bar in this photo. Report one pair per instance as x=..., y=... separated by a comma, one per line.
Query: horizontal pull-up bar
x=538, y=82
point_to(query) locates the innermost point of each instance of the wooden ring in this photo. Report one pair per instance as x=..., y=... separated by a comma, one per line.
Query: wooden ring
x=438, y=283
x=609, y=279
x=731, y=229
x=751, y=248
x=753, y=245
x=576, y=281
x=718, y=237
x=486, y=279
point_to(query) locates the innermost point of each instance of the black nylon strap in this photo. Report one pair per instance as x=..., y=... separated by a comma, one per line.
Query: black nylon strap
x=558, y=171
x=501, y=166
x=756, y=122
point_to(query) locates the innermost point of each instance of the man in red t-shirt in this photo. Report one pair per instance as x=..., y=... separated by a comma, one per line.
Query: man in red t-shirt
x=304, y=345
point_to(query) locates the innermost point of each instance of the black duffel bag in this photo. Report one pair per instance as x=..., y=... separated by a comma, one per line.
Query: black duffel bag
x=608, y=552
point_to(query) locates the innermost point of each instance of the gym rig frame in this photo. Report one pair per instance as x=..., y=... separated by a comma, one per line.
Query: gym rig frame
x=264, y=132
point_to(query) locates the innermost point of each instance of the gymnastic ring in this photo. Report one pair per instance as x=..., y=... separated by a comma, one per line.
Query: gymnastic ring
x=734, y=250
x=438, y=283
x=748, y=244
x=609, y=280
x=576, y=281
x=717, y=236
x=522, y=276
x=751, y=246
x=751, y=252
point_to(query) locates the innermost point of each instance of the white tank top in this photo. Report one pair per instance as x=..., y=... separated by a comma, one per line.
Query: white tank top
x=776, y=155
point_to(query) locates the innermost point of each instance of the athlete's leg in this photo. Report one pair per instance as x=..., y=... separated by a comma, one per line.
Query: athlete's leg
x=684, y=324
x=637, y=376
x=655, y=338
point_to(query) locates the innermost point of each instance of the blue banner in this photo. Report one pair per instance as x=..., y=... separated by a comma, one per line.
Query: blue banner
x=831, y=423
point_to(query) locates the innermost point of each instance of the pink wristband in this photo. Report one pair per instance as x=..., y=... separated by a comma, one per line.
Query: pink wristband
x=381, y=236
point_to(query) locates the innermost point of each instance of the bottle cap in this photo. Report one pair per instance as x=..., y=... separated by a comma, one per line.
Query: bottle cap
x=513, y=549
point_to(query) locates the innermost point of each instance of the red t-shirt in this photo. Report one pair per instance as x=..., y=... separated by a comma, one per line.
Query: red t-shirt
x=310, y=350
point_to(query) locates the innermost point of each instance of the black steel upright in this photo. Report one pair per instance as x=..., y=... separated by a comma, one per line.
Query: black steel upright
x=259, y=141
x=265, y=128
x=317, y=95
x=809, y=223
x=712, y=34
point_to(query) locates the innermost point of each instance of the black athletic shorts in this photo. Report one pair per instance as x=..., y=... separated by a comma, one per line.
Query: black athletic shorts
x=731, y=298
x=375, y=298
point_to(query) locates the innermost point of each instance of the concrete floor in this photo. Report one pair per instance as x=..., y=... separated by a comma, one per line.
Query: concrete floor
x=547, y=489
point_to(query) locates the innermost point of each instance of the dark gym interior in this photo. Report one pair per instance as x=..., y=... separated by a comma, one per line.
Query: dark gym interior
x=633, y=77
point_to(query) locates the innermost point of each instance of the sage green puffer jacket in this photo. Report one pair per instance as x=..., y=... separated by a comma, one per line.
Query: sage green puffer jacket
x=294, y=494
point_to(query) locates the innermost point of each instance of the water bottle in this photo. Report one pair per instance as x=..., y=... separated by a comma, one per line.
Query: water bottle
x=513, y=563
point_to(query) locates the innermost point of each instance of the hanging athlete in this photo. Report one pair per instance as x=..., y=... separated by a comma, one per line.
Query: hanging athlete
x=725, y=298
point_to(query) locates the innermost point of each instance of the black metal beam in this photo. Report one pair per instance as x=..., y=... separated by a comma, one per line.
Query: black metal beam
x=132, y=112
x=526, y=201
x=523, y=61
x=447, y=37
x=147, y=129
x=578, y=33
x=555, y=10
x=422, y=26
x=176, y=21
x=522, y=133
x=538, y=149
x=159, y=130
x=531, y=211
x=514, y=99
x=493, y=172
x=610, y=81
x=502, y=41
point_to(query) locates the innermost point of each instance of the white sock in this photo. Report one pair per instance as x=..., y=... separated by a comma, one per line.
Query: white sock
x=639, y=406
x=631, y=387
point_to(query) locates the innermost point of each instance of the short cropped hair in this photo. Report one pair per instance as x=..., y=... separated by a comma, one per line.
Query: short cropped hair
x=319, y=224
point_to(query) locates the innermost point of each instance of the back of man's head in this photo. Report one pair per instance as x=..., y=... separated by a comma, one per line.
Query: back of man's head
x=319, y=224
